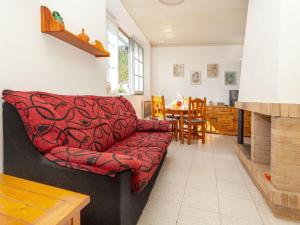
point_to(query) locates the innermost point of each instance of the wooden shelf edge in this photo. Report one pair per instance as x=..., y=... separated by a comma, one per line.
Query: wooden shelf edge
x=56, y=29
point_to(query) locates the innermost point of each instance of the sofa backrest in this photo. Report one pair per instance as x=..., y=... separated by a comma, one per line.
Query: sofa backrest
x=88, y=122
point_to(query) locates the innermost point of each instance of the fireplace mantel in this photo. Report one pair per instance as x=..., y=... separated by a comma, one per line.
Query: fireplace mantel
x=271, y=109
x=275, y=150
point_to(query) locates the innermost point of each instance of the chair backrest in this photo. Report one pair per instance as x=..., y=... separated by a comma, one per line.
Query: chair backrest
x=158, y=110
x=197, y=108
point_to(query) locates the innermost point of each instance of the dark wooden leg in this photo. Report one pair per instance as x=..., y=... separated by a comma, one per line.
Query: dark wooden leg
x=189, y=133
x=181, y=128
x=203, y=133
x=176, y=130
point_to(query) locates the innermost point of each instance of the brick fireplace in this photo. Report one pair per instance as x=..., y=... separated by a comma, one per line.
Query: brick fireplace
x=275, y=151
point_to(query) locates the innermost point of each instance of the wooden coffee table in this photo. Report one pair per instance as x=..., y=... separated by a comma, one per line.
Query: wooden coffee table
x=24, y=202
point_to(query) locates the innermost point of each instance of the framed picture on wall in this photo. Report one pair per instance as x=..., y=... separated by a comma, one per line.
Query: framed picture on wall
x=230, y=78
x=195, y=77
x=212, y=70
x=178, y=70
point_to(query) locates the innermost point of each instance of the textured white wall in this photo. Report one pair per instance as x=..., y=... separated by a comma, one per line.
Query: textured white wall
x=31, y=60
x=194, y=58
x=289, y=52
x=259, y=77
x=270, y=70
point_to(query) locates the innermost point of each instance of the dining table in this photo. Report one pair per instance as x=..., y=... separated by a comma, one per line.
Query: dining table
x=179, y=111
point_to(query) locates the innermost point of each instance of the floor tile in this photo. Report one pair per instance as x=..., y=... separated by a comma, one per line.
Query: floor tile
x=176, y=178
x=151, y=218
x=255, y=194
x=269, y=218
x=201, y=200
x=206, y=185
x=229, y=175
x=161, y=206
x=239, y=208
x=169, y=192
x=238, y=190
x=202, y=183
x=203, y=172
x=193, y=216
x=227, y=220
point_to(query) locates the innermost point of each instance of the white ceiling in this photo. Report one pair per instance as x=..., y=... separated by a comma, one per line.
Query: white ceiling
x=194, y=22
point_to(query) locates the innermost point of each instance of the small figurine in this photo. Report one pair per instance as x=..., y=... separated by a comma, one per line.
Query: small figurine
x=57, y=17
x=83, y=36
x=98, y=45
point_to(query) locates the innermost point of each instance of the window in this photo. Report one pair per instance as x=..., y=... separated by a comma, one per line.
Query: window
x=125, y=72
x=123, y=64
x=138, y=68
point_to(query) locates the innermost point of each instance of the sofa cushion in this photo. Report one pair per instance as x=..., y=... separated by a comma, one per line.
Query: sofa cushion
x=109, y=163
x=92, y=122
x=148, y=139
x=152, y=155
x=44, y=126
x=153, y=125
x=97, y=162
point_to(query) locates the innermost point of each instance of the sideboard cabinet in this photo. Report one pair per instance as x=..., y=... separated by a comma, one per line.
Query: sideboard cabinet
x=224, y=120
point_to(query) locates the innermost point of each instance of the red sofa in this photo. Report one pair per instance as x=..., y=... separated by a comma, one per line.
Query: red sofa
x=99, y=135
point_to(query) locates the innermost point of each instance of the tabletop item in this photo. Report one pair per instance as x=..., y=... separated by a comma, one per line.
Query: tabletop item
x=25, y=202
x=57, y=17
x=83, y=36
x=179, y=103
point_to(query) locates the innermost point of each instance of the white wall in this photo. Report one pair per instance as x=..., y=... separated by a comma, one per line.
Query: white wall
x=259, y=79
x=128, y=25
x=270, y=70
x=289, y=52
x=31, y=60
x=194, y=58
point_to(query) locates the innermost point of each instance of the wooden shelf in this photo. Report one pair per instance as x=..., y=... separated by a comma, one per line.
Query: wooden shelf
x=50, y=26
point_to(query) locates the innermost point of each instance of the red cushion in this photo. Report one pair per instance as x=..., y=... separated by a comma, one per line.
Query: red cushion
x=44, y=126
x=153, y=125
x=148, y=139
x=109, y=163
x=93, y=122
x=152, y=155
x=97, y=162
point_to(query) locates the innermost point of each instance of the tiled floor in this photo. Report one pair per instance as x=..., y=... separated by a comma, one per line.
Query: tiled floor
x=206, y=185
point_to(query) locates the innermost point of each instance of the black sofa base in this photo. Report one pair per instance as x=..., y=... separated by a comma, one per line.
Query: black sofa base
x=112, y=201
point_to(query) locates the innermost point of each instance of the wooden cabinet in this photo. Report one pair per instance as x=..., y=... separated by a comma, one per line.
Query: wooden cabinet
x=224, y=120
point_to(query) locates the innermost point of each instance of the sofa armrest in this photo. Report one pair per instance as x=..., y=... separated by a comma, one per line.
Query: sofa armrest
x=153, y=125
x=97, y=162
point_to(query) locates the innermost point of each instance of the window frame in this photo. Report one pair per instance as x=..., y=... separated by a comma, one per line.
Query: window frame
x=139, y=60
x=132, y=74
x=120, y=31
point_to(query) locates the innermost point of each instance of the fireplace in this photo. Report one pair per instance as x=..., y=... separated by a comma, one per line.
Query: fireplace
x=272, y=159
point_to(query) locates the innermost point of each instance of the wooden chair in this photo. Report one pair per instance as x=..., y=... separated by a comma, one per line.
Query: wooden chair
x=195, y=119
x=158, y=112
